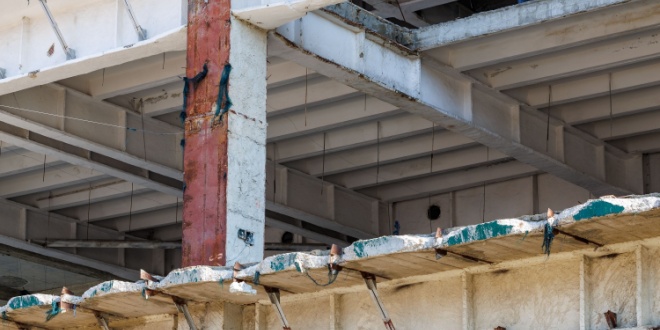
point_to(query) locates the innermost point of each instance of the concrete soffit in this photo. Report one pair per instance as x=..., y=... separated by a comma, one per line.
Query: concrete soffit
x=424, y=86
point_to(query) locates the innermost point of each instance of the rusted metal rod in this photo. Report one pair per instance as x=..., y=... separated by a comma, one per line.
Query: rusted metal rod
x=274, y=296
x=370, y=280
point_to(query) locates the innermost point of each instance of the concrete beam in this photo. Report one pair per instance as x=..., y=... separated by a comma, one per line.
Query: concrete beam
x=452, y=161
x=559, y=34
x=90, y=160
x=93, y=193
x=173, y=40
x=383, y=153
x=442, y=183
x=269, y=14
x=62, y=260
x=17, y=162
x=505, y=19
x=343, y=138
x=53, y=178
x=454, y=101
x=604, y=55
x=107, y=244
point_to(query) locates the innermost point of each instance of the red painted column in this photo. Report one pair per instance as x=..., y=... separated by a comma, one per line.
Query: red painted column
x=205, y=159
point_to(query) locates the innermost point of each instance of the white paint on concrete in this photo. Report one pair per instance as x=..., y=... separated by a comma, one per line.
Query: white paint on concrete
x=246, y=142
x=111, y=287
x=242, y=288
x=507, y=18
x=269, y=14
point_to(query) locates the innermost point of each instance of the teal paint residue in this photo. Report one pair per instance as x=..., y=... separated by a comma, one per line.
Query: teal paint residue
x=282, y=261
x=24, y=302
x=479, y=232
x=597, y=208
x=359, y=247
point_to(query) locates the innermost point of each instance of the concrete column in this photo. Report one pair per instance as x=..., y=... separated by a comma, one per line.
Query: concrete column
x=225, y=152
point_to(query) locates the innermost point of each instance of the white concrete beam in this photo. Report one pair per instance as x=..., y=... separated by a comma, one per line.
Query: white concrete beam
x=142, y=74
x=22, y=161
x=269, y=14
x=543, y=38
x=53, y=178
x=89, y=194
x=452, y=100
x=582, y=59
x=343, y=138
x=321, y=118
x=316, y=91
x=89, y=160
x=138, y=203
x=386, y=9
x=442, y=183
x=505, y=19
x=583, y=87
x=101, y=127
x=618, y=128
x=457, y=160
x=174, y=40
x=384, y=153
x=599, y=108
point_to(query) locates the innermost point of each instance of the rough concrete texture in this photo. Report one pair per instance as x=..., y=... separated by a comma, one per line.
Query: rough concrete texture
x=612, y=286
x=562, y=291
x=507, y=18
x=549, y=291
x=246, y=144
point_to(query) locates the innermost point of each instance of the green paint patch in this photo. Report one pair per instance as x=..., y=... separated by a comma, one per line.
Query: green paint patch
x=282, y=261
x=479, y=232
x=597, y=208
x=359, y=247
x=24, y=302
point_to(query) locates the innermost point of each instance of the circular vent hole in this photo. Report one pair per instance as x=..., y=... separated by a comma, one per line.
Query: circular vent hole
x=433, y=213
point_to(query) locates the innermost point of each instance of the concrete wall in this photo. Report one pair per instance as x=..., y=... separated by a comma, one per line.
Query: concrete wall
x=512, y=198
x=547, y=294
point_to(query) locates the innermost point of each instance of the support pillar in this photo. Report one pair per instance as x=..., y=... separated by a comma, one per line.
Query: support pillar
x=225, y=140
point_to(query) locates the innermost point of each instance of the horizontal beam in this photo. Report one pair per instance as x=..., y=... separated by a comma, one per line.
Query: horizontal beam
x=62, y=260
x=17, y=162
x=455, y=101
x=49, y=179
x=90, y=160
x=357, y=109
x=457, y=160
x=305, y=232
x=174, y=40
x=443, y=183
x=498, y=21
x=580, y=88
x=106, y=244
x=316, y=220
x=93, y=193
x=343, y=138
x=269, y=14
x=383, y=153
x=582, y=59
x=544, y=38
x=300, y=247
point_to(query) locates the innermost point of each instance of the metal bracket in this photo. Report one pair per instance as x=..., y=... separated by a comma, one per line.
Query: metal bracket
x=370, y=280
x=70, y=53
x=103, y=323
x=142, y=33
x=182, y=307
x=274, y=296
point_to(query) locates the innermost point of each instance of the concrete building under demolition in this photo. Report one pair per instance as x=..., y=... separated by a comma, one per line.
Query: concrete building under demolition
x=325, y=164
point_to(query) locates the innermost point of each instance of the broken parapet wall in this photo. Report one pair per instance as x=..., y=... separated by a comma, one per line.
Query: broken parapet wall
x=603, y=258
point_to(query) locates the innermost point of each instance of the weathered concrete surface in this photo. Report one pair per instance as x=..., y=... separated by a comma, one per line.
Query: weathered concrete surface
x=225, y=138
x=570, y=289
